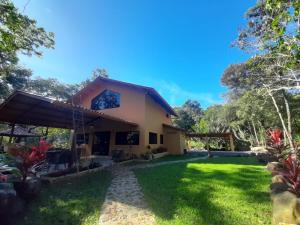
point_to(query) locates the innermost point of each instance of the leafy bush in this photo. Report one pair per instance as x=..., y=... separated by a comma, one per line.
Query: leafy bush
x=290, y=172
x=288, y=167
x=275, y=144
x=30, y=156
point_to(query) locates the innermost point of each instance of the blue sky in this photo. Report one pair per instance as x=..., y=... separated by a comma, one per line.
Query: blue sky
x=179, y=47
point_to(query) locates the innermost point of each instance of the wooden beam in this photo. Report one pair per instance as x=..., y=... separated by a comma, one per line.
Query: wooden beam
x=11, y=133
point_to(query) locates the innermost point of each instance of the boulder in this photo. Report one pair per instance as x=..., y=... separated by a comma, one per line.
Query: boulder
x=10, y=203
x=286, y=208
x=29, y=188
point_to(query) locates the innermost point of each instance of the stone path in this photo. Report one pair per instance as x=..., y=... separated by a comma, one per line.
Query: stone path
x=125, y=203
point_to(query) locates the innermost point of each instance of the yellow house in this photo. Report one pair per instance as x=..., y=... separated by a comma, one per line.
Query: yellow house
x=148, y=116
x=107, y=115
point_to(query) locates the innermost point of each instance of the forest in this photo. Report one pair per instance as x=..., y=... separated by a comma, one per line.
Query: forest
x=263, y=92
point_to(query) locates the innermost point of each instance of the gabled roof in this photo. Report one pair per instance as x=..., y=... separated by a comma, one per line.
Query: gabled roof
x=147, y=90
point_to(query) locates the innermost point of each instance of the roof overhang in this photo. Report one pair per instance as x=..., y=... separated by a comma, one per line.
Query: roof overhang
x=30, y=109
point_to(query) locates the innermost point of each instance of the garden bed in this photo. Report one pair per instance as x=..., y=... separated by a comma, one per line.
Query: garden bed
x=68, y=174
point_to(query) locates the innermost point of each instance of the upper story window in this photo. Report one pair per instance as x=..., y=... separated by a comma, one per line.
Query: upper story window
x=106, y=100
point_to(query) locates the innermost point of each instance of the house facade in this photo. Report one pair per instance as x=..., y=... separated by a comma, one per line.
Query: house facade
x=148, y=115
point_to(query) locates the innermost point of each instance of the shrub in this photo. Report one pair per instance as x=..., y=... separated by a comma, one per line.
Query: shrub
x=30, y=156
x=290, y=172
x=275, y=144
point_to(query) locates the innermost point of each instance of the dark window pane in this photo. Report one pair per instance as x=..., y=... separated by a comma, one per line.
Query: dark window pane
x=80, y=139
x=161, y=139
x=152, y=138
x=106, y=100
x=128, y=138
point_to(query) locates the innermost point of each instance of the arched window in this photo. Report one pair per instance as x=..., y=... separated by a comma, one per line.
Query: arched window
x=106, y=100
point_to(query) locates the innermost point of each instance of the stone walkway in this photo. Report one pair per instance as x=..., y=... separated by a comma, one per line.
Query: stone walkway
x=125, y=203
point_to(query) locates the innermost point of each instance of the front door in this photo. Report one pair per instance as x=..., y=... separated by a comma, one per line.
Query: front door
x=101, y=143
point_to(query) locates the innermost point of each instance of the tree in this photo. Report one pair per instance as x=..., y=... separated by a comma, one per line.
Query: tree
x=188, y=115
x=19, y=33
x=51, y=88
x=13, y=78
x=273, y=36
x=99, y=72
x=201, y=126
x=184, y=120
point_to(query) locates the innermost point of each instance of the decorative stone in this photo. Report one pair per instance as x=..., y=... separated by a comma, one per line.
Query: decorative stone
x=286, y=208
x=30, y=188
x=10, y=204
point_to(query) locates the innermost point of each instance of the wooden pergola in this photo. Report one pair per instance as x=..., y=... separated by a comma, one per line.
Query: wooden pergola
x=226, y=136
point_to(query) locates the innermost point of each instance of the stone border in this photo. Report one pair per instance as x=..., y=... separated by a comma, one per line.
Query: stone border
x=71, y=176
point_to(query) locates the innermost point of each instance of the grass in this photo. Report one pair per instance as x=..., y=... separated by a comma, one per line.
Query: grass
x=165, y=159
x=217, y=191
x=71, y=202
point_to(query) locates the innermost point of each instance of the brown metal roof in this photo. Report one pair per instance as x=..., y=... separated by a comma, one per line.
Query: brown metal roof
x=148, y=90
x=30, y=109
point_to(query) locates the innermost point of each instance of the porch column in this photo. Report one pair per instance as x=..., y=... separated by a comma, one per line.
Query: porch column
x=11, y=133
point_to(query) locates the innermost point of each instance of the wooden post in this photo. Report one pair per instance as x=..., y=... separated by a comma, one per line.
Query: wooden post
x=11, y=133
x=231, y=142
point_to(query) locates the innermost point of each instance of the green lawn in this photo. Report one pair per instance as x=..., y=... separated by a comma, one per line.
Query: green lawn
x=71, y=202
x=218, y=191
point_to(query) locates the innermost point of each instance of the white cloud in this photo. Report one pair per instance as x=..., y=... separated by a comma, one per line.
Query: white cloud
x=175, y=94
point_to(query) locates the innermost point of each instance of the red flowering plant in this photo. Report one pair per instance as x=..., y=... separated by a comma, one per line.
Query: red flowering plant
x=275, y=144
x=288, y=167
x=290, y=173
x=30, y=156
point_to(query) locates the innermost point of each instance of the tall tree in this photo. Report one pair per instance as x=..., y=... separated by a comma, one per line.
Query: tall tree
x=51, y=88
x=18, y=34
x=273, y=36
x=188, y=115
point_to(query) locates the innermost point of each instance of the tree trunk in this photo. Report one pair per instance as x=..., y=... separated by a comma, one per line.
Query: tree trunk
x=255, y=132
x=288, y=113
x=288, y=135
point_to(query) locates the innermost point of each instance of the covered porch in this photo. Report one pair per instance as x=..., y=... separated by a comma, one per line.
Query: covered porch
x=92, y=131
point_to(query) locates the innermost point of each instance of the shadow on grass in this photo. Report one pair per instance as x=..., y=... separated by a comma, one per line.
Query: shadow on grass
x=70, y=202
x=219, y=191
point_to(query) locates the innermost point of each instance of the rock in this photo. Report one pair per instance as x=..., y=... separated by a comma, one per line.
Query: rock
x=272, y=166
x=10, y=203
x=277, y=188
x=30, y=188
x=277, y=179
x=286, y=208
